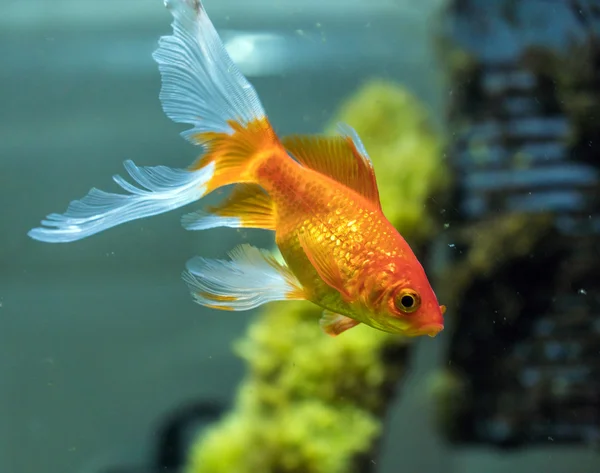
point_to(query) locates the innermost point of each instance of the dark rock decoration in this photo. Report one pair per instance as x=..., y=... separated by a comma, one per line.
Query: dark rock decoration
x=524, y=117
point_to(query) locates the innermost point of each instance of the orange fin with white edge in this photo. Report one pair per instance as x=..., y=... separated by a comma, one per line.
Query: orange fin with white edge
x=234, y=156
x=201, y=86
x=248, y=206
x=342, y=158
x=333, y=324
x=323, y=262
x=250, y=278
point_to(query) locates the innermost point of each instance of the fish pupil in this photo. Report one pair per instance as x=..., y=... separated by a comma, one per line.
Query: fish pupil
x=407, y=301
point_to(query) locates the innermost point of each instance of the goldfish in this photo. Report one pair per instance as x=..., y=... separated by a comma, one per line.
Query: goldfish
x=317, y=193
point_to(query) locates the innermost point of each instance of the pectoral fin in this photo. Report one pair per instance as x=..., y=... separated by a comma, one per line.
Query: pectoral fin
x=324, y=262
x=333, y=324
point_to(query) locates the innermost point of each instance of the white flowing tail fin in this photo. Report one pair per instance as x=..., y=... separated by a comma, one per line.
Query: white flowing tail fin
x=201, y=86
x=162, y=189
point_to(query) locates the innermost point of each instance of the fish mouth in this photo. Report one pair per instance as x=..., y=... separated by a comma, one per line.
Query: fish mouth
x=430, y=329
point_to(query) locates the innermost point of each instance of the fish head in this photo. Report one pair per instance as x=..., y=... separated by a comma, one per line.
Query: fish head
x=415, y=310
x=404, y=303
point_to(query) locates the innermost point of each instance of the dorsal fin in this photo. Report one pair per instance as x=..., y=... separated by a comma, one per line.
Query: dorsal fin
x=342, y=158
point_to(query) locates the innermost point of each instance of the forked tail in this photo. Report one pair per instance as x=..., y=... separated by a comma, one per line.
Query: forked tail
x=201, y=86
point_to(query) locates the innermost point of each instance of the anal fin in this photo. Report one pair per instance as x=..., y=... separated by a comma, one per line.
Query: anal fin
x=248, y=206
x=251, y=277
x=333, y=324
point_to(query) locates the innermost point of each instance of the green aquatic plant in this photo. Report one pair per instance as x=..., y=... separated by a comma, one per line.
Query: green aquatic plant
x=299, y=409
x=310, y=403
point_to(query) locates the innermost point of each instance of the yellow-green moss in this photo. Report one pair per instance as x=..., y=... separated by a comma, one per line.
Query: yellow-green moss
x=311, y=403
x=299, y=410
x=273, y=354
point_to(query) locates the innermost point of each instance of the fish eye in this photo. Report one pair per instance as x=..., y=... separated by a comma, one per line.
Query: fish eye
x=407, y=301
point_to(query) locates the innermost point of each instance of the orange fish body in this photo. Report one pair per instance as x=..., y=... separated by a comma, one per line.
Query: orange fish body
x=318, y=194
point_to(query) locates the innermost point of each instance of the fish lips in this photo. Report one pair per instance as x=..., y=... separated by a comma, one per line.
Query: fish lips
x=430, y=329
